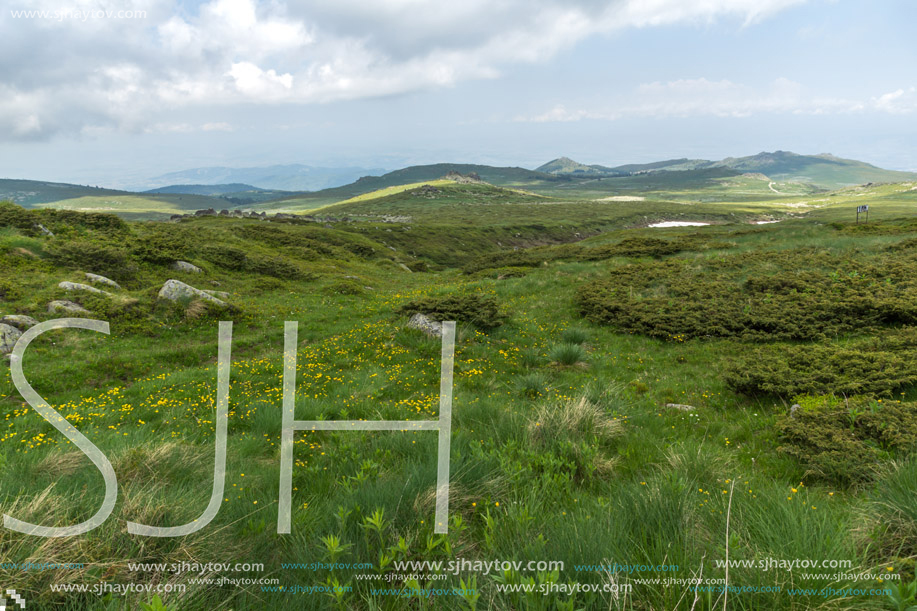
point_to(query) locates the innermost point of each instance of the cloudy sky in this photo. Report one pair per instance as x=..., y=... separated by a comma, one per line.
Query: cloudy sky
x=111, y=92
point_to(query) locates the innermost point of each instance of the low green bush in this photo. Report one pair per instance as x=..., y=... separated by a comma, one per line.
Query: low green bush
x=481, y=311
x=876, y=366
x=93, y=257
x=787, y=295
x=844, y=440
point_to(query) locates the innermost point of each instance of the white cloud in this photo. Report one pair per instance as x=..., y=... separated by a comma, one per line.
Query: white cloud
x=76, y=76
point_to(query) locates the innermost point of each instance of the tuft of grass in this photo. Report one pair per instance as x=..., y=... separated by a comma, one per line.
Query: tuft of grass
x=533, y=384
x=574, y=336
x=567, y=354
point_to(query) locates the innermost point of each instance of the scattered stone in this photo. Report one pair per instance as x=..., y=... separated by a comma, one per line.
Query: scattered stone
x=9, y=335
x=44, y=230
x=67, y=307
x=97, y=279
x=405, y=268
x=207, y=212
x=423, y=323
x=793, y=409
x=184, y=266
x=176, y=290
x=76, y=286
x=680, y=406
x=19, y=321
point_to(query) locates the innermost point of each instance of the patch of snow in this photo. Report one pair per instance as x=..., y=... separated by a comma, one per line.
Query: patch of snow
x=678, y=224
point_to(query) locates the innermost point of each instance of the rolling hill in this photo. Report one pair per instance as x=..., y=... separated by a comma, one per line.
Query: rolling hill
x=825, y=171
x=289, y=177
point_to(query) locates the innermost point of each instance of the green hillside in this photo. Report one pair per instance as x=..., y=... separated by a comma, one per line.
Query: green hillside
x=822, y=171
x=602, y=368
x=565, y=165
x=31, y=192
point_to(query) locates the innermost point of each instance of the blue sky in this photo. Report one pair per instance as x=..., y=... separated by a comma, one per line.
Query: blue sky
x=111, y=98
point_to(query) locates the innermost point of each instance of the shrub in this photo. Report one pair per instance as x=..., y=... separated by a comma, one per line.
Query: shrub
x=162, y=245
x=274, y=266
x=875, y=366
x=17, y=217
x=567, y=354
x=92, y=257
x=478, y=310
x=344, y=287
x=102, y=222
x=226, y=257
x=843, y=441
x=748, y=296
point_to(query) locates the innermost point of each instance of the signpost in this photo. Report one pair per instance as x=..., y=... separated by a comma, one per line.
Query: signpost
x=862, y=209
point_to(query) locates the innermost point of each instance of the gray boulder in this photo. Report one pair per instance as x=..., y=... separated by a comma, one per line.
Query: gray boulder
x=184, y=266
x=220, y=294
x=8, y=337
x=97, y=279
x=424, y=323
x=76, y=286
x=66, y=307
x=176, y=290
x=19, y=321
x=405, y=267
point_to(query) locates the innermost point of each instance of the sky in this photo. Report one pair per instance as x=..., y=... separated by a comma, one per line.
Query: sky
x=113, y=92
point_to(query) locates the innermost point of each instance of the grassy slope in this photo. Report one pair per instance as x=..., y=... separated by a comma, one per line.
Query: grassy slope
x=145, y=396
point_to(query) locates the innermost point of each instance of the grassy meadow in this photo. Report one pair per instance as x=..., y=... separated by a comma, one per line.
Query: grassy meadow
x=622, y=395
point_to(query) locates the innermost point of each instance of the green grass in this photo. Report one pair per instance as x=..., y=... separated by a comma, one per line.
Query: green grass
x=562, y=446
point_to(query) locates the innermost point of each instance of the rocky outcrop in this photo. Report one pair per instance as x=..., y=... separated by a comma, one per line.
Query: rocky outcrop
x=66, y=307
x=184, y=266
x=97, y=279
x=9, y=335
x=176, y=290
x=76, y=286
x=423, y=323
x=19, y=321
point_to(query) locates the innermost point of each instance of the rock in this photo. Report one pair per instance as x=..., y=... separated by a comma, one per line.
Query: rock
x=793, y=409
x=44, y=230
x=422, y=322
x=9, y=335
x=224, y=212
x=76, y=286
x=680, y=406
x=19, y=321
x=220, y=294
x=176, y=290
x=67, y=307
x=207, y=212
x=97, y=279
x=184, y=266
x=405, y=268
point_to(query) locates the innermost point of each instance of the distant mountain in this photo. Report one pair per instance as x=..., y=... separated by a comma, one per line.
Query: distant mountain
x=292, y=177
x=565, y=165
x=503, y=176
x=825, y=170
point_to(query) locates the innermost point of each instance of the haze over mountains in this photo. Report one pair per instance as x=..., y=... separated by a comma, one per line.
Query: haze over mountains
x=295, y=186
x=290, y=177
